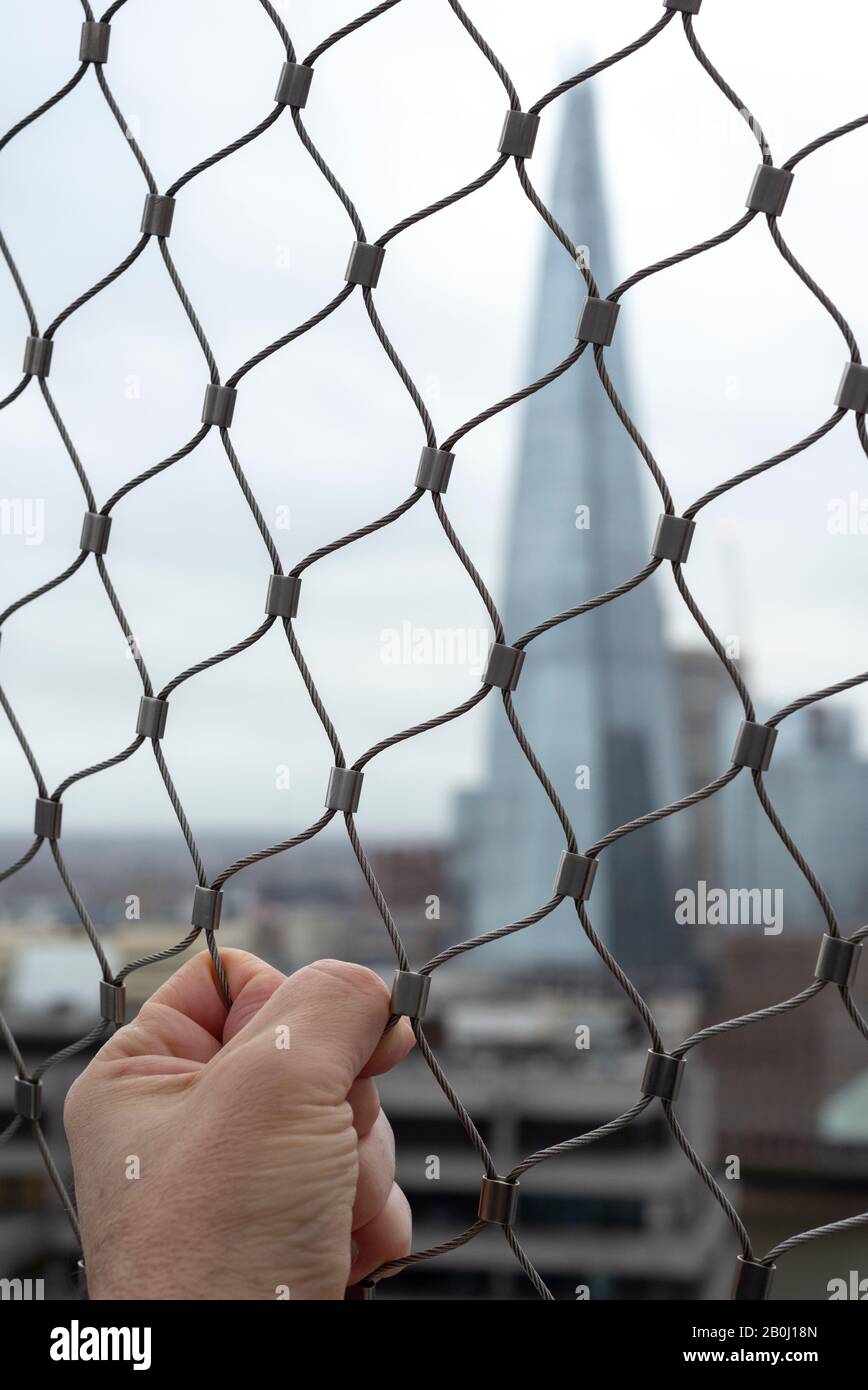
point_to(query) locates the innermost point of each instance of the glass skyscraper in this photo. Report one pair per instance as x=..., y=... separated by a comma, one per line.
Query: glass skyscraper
x=595, y=692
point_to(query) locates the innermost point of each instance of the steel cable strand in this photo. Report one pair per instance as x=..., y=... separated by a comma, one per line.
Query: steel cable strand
x=618, y=592
x=96, y=289
x=132, y=644
x=38, y=778
x=822, y=140
x=44, y=588
x=626, y=420
x=154, y=470
x=124, y=128
x=250, y=499
x=23, y=743
x=435, y=722
x=103, y=766
x=220, y=657
x=330, y=177
x=24, y=859
x=367, y=530
x=581, y=1141
x=861, y=431
x=732, y=97
x=540, y=773
x=715, y=643
x=469, y=567
x=518, y=1251
x=488, y=52
x=796, y=855
x=348, y=29
x=232, y=148
x=409, y=383
x=260, y=854
x=555, y=227
x=12, y=1044
x=443, y=203
x=44, y=106
x=19, y=285
x=83, y=914
x=189, y=311
x=623, y=979
x=849, y=1223
x=377, y=893
x=68, y=445
x=709, y=1180
x=11, y=1130
x=199, y=866
x=446, y=1087
x=756, y=469
x=418, y=1256
x=290, y=337
x=57, y=1181
x=460, y=947
x=28, y=309
x=596, y=68
x=157, y=957
x=832, y=310
x=730, y=1025
x=315, y=697
x=15, y=392
x=853, y=1012
x=96, y=1034
x=522, y=394
x=180, y=814
x=661, y=812
x=679, y=257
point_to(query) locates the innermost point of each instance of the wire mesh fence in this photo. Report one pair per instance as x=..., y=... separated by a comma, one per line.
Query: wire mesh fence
x=298, y=84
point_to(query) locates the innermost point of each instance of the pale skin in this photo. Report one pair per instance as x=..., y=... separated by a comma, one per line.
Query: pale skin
x=266, y=1171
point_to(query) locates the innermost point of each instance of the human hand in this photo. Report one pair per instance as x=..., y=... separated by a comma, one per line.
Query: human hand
x=265, y=1166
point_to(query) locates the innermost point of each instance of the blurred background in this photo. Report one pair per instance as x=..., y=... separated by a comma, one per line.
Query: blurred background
x=722, y=361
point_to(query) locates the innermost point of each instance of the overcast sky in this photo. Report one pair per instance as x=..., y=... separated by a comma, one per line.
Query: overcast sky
x=732, y=360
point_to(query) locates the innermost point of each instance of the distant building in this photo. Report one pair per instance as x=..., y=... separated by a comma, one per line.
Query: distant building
x=596, y=692
x=787, y=1087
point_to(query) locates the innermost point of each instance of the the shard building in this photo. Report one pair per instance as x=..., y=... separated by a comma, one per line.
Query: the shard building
x=594, y=692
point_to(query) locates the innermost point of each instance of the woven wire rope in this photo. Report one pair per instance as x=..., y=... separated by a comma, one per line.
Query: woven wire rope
x=516, y=166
